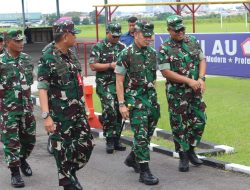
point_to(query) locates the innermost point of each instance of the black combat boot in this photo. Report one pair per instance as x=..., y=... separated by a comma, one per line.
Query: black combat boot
x=16, y=179
x=25, y=167
x=146, y=176
x=117, y=144
x=184, y=162
x=109, y=145
x=69, y=187
x=193, y=157
x=130, y=162
x=77, y=185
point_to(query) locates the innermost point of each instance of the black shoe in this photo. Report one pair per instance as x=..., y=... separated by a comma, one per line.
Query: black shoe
x=184, y=162
x=72, y=187
x=130, y=162
x=117, y=144
x=25, y=168
x=16, y=179
x=69, y=187
x=148, y=178
x=109, y=145
x=193, y=157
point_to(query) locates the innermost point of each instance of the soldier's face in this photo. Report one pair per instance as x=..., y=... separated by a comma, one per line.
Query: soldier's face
x=142, y=41
x=70, y=39
x=177, y=35
x=131, y=27
x=15, y=45
x=113, y=39
x=1, y=44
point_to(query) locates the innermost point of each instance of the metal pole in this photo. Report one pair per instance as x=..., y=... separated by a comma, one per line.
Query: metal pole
x=57, y=9
x=106, y=14
x=178, y=8
x=23, y=15
x=96, y=24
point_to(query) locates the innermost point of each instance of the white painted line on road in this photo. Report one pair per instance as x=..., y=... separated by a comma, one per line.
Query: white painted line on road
x=175, y=154
x=101, y=135
x=237, y=168
x=228, y=149
x=152, y=145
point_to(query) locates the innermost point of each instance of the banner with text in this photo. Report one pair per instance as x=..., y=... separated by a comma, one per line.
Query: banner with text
x=227, y=54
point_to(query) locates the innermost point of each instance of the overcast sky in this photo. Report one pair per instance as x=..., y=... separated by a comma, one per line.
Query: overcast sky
x=49, y=6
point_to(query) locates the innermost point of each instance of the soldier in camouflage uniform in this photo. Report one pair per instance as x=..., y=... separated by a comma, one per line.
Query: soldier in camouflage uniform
x=182, y=62
x=135, y=84
x=17, y=122
x=1, y=43
x=63, y=108
x=103, y=61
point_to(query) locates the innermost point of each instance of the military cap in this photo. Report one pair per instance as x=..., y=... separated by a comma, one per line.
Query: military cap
x=145, y=27
x=115, y=29
x=65, y=26
x=175, y=22
x=13, y=35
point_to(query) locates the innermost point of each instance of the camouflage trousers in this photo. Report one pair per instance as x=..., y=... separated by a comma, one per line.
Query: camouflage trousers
x=187, y=119
x=72, y=145
x=111, y=117
x=18, y=136
x=143, y=125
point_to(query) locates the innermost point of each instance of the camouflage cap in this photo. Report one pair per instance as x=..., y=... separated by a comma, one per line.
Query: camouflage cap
x=115, y=29
x=65, y=26
x=175, y=22
x=13, y=35
x=145, y=27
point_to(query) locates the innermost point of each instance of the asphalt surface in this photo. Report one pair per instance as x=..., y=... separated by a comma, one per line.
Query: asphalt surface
x=108, y=172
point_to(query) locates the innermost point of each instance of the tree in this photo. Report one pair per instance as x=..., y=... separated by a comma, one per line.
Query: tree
x=85, y=21
x=76, y=20
x=101, y=18
x=51, y=18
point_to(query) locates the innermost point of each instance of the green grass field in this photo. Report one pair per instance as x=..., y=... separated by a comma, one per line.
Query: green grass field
x=228, y=111
x=88, y=31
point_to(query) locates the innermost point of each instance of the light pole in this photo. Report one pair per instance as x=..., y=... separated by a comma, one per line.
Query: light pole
x=57, y=9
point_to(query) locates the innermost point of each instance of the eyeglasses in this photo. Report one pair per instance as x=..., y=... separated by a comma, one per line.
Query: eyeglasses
x=180, y=30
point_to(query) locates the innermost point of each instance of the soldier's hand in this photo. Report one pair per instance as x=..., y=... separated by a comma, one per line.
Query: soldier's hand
x=194, y=84
x=113, y=64
x=124, y=112
x=202, y=85
x=49, y=125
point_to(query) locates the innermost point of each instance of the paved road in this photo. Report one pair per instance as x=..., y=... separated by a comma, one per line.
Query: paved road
x=107, y=172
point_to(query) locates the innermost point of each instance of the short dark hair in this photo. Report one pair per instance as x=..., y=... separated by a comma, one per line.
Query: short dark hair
x=132, y=19
x=57, y=36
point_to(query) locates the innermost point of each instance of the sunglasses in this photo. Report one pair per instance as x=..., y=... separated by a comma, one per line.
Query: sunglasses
x=180, y=30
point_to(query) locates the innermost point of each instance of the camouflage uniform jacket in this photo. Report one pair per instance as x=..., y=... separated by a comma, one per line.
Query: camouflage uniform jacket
x=105, y=52
x=58, y=73
x=183, y=58
x=16, y=77
x=139, y=68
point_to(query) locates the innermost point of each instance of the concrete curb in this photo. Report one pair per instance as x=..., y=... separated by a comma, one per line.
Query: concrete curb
x=207, y=148
x=98, y=133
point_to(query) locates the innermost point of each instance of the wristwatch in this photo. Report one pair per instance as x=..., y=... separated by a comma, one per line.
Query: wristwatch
x=45, y=115
x=121, y=103
x=202, y=78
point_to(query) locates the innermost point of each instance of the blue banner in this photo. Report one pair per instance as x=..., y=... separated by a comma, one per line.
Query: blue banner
x=227, y=54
